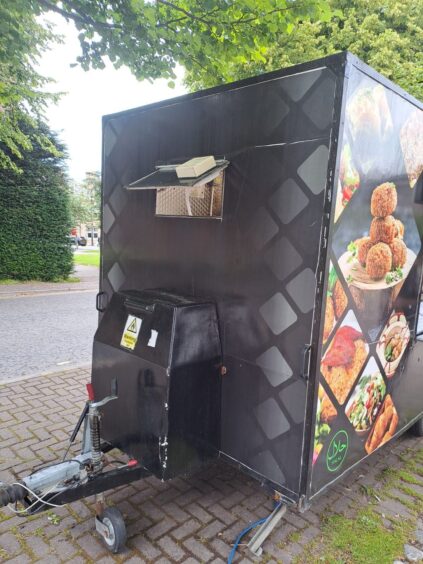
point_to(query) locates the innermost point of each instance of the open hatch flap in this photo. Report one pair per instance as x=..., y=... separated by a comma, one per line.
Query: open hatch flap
x=165, y=176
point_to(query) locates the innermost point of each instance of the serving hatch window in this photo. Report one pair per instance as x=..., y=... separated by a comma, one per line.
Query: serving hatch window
x=193, y=196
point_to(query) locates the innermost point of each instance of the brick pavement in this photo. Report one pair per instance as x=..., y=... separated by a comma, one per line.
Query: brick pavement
x=186, y=520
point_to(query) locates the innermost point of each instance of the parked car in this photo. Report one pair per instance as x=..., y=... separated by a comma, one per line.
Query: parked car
x=82, y=241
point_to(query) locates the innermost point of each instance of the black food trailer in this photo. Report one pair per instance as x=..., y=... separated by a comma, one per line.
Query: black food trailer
x=260, y=303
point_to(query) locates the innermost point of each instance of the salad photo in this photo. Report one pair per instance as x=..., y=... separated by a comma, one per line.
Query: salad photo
x=366, y=399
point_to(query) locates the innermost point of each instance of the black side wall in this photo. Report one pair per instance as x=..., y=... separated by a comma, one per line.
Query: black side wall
x=258, y=264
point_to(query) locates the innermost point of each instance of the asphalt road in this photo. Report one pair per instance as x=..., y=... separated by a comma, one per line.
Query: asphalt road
x=45, y=333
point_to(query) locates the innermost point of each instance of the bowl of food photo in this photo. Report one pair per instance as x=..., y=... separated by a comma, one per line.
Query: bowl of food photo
x=393, y=342
x=376, y=266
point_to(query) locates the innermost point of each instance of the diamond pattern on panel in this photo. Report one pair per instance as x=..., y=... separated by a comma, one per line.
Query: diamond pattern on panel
x=271, y=120
x=108, y=218
x=288, y=201
x=274, y=366
x=265, y=462
x=282, y=258
x=293, y=399
x=116, y=277
x=278, y=314
x=313, y=171
x=271, y=419
x=298, y=85
x=302, y=289
x=118, y=198
x=263, y=228
x=110, y=138
x=316, y=107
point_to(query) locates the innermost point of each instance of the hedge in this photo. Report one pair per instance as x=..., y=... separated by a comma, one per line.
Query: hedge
x=35, y=220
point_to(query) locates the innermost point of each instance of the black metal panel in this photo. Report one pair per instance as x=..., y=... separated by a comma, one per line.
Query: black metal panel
x=258, y=264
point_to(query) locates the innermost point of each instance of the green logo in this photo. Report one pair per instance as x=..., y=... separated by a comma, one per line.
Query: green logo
x=337, y=451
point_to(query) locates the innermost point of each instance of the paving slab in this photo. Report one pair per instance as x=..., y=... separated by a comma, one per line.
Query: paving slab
x=189, y=519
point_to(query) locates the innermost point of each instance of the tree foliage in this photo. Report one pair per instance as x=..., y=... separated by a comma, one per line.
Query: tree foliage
x=85, y=200
x=386, y=34
x=22, y=98
x=34, y=212
x=209, y=38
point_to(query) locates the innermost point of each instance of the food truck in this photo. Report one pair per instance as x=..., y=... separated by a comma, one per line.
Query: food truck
x=260, y=282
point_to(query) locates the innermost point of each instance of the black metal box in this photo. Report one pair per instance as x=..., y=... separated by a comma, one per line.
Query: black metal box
x=164, y=351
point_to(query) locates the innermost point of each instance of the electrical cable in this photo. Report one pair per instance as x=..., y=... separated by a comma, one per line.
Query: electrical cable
x=38, y=499
x=245, y=531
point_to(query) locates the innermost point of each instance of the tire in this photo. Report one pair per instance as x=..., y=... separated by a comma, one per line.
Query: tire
x=113, y=520
x=417, y=428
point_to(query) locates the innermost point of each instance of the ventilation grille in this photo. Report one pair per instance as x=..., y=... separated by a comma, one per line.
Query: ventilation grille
x=205, y=200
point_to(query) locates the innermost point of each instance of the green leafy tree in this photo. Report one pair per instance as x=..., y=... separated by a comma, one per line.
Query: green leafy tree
x=386, y=34
x=22, y=98
x=34, y=212
x=209, y=38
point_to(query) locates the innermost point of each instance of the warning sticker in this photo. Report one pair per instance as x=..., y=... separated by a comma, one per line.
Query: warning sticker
x=130, y=333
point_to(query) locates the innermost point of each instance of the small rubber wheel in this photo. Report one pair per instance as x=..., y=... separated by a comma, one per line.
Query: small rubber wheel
x=112, y=519
x=417, y=428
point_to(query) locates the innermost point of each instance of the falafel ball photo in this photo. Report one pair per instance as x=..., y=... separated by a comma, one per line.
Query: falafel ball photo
x=400, y=229
x=379, y=261
x=383, y=229
x=399, y=252
x=384, y=200
x=363, y=247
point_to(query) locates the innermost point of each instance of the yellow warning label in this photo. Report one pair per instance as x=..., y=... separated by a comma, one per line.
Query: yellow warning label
x=130, y=333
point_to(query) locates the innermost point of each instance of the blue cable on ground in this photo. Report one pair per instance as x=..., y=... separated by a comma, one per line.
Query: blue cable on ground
x=244, y=532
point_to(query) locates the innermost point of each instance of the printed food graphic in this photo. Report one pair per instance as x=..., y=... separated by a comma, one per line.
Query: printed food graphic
x=368, y=113
x=366, y=399
x=336, y=302
x=393, y=342
x=344, y=358
x=380, y=261
x=348, y=182
x=385, y=426
x=326, y=412
x=367, y=390
x=412, y=146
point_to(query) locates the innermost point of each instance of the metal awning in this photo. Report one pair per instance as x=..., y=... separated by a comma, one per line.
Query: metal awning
x=165, y=177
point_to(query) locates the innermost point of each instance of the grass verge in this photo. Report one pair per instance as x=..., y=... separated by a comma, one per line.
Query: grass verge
x=88, y=258
x=11, y=282
x=368, y=538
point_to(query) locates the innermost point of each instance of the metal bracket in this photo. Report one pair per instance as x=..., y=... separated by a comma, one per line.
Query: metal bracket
x=255, y=544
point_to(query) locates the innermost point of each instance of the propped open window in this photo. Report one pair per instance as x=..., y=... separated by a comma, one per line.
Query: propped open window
x=200, y=196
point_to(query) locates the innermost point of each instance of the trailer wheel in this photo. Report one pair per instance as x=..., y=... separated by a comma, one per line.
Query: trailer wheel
x=417, y=428
x=112, y=529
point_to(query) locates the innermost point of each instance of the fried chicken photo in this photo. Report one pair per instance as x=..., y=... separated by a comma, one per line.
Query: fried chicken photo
x=385, y=426
x=343, y=361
